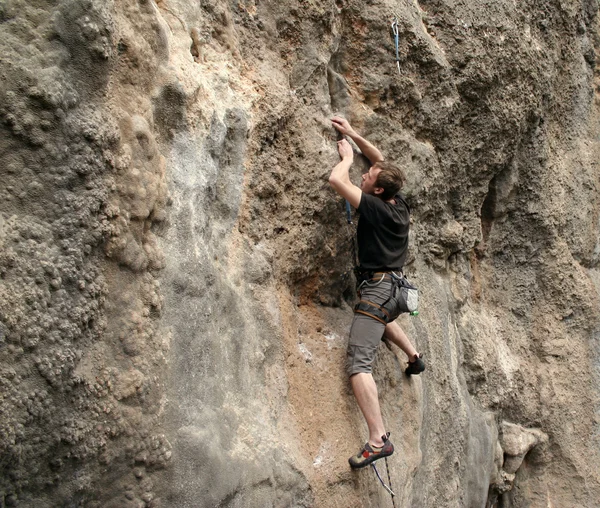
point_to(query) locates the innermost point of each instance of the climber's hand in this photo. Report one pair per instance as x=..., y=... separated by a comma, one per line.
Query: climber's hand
x=345, y=150
x=342, y=125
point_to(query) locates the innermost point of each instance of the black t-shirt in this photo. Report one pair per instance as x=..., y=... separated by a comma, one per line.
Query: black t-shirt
x=382, y=233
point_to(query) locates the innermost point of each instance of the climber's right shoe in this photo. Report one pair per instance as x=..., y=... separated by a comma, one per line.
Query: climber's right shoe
x=416, y=366
x=371, y=453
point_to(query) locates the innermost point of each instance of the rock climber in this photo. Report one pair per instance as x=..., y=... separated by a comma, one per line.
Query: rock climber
x=382, y=239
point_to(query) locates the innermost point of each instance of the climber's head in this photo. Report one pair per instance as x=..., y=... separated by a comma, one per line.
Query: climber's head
x=383, y=179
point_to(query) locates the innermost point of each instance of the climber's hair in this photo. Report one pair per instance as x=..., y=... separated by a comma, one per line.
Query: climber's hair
x=391, y=178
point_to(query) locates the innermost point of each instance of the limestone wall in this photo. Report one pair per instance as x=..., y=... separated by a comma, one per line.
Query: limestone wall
x=175, y=272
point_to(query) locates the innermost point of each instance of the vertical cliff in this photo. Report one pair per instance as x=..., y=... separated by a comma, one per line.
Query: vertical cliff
x=175, y=272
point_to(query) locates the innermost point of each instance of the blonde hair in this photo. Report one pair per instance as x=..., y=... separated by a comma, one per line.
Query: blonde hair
x=391, y=179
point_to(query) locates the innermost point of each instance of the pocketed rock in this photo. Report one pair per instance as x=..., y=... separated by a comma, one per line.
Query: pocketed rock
x=451, y=235
x=171, y=252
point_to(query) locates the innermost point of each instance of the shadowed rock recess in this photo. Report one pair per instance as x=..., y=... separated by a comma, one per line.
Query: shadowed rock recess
x=175, y=272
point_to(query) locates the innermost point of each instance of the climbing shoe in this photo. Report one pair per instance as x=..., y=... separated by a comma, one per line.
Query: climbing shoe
x=415, y=367
x=370, y=453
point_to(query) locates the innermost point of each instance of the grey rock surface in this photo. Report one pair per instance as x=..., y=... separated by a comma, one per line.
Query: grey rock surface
x=175, y=272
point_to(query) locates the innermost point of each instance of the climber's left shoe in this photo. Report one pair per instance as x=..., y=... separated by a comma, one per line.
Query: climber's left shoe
x=370, y=453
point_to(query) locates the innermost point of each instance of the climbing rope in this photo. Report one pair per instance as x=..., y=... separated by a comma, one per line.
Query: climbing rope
x=386, y=487
x=396, y=40
x=390, y=483
x=351, y=234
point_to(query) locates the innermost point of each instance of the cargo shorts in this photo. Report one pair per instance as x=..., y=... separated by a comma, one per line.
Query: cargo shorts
x=366, y=332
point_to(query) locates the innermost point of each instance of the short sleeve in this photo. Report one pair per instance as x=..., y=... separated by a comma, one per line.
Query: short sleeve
x=373, y=209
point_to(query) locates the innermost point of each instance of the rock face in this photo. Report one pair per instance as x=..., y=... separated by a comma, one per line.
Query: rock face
x=175, y=273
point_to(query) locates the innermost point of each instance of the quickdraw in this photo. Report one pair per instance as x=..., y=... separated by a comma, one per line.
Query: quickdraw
x=348, y=212
x=396, y=40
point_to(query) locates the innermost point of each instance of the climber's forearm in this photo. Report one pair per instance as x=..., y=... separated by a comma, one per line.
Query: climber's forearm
x=341, y=172
x=367, y=148
x=340, y=182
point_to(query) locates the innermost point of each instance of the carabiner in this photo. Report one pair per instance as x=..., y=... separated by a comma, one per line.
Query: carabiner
x=396, y=32
x=395, y=26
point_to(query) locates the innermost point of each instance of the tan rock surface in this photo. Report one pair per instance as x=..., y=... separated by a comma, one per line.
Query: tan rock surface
x=175, y=273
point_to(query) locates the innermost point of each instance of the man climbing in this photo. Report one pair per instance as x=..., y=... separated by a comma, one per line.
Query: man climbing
x=382, y=238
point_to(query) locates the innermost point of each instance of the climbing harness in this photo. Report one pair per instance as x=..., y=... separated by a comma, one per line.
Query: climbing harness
x=387, y=487
x=372, y=310
x=367, y=277
x=406, y=296
x=409, y=295
x=396, y=39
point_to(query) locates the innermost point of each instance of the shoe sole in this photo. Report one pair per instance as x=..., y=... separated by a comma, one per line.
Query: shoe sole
x=415, y=372
x=370, y=460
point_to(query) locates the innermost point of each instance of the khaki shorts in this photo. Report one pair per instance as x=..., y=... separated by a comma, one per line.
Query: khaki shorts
x=366, y=332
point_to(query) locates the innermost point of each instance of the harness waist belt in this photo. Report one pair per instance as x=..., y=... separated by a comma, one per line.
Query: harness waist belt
x=367, y=275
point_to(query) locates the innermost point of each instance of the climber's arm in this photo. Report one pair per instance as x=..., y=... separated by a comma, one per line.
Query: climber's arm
x=368, y=150
x=340, y=177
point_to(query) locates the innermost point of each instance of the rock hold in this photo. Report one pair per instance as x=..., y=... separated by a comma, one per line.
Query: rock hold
x=516, y=442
